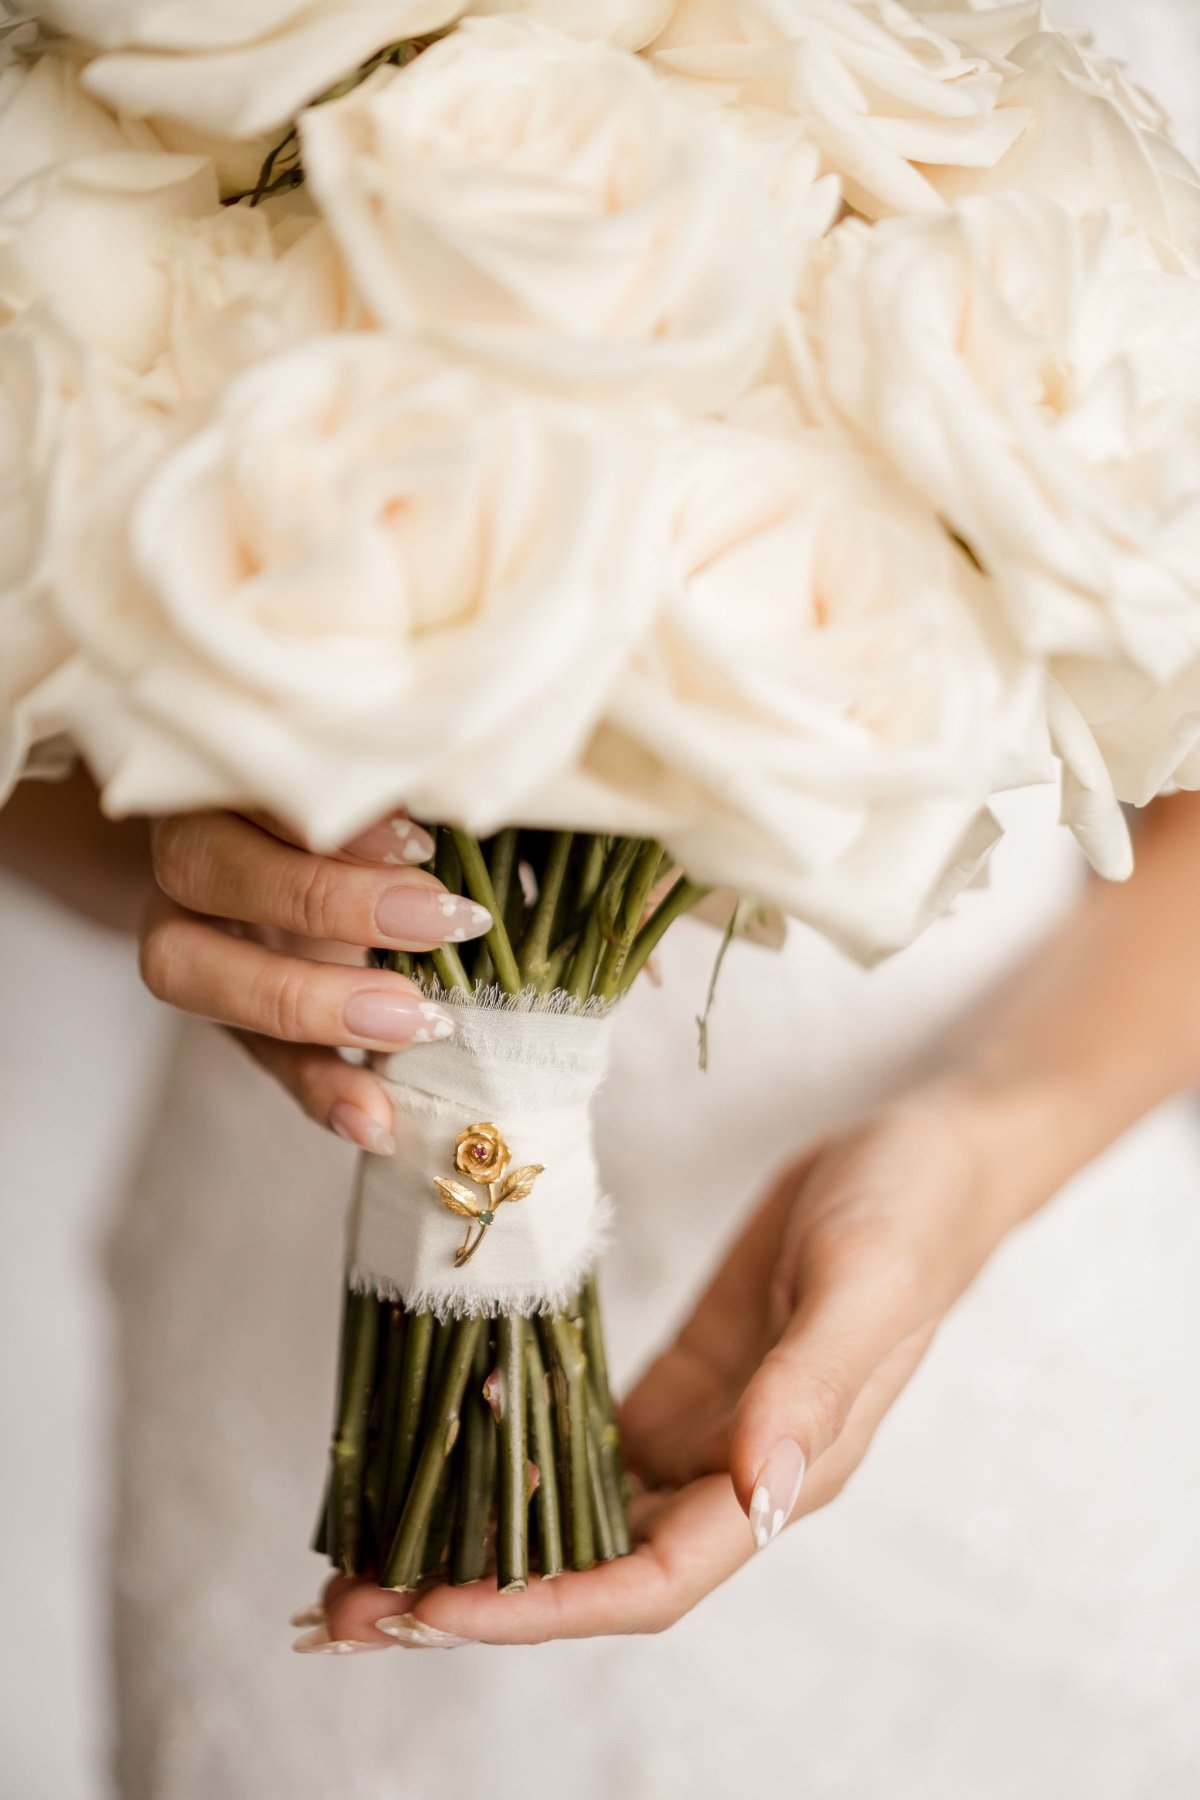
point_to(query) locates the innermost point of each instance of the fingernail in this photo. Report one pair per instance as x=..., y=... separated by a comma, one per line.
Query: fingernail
x=380, y=1017
x=308, y=1615
x=392, y=841
x=365, y=1133
x=426, y=914
x=776, y=1492
x=319, y=1643
x=407, y=1629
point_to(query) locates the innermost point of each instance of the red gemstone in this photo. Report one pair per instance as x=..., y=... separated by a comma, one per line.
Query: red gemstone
x=479, y=1152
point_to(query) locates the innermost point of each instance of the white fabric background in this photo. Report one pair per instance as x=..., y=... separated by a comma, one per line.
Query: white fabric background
x=1003, y=1604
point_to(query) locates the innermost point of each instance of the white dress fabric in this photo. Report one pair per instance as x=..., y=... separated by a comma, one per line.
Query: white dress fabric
x=1003, y=1603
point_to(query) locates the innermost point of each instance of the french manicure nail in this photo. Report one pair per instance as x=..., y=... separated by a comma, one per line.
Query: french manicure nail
x=365, y=1133
x=407, y=1629
x=776, y=1491
x=319, y=1643
x=393, y=841
x=380, y=1016
x=422, y=913
x=308, y=1615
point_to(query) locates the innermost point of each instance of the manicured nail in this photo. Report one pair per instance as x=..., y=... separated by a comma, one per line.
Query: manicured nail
x=776, y=1492
x=407, y=1629
x=379, y=1016
x=392, y=841
x=319, y=1643
x=365, y=1133
x=424, y=914
x=308, y=1615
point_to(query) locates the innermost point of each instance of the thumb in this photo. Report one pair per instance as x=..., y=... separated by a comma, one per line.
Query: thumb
x=797, y=1403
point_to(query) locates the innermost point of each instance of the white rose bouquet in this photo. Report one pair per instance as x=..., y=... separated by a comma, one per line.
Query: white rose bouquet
x=667, y=445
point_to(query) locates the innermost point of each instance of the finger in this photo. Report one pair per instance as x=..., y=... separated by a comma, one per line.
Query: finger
x=665, y=1421
x=221, y=865
x=397, y=840
x=697, y=1540
x=198, y=968
x=343, y=1097
x=849, y=1317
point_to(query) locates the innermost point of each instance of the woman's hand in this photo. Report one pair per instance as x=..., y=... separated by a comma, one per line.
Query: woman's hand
x=768, y=1399
x=270, y=940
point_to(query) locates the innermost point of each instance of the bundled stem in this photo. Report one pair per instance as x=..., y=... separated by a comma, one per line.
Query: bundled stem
x=467, y=1442
x=512, y=1534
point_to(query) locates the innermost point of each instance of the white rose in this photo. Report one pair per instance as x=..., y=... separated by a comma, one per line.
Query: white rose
x=983, y=24
x=1091, y=141
x=629, y=24
x=375, y=577
x=547, y=205
x=88, y=236
x=50, y=390
x=884, y=96
x=46, y=118
x=243, y=284
x=826, y=702
x=234, y=67
x=1037, y=378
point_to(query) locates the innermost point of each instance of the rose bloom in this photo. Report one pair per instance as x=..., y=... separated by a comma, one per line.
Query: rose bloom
x=87, y=236
x=545, y=204
x=629, y=24
x=237, y=68
x=374, y=576
x=243, y=284
x=1091, y=141
x=992, y=25
x=884, y=96
x=46, y=117
x=52, y=391
x=1037, y=378
x=822, y=705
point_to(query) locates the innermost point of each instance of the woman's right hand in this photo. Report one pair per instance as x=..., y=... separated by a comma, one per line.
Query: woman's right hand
x=270, y=939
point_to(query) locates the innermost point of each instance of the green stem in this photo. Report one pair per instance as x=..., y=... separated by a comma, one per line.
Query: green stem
x=602, y=1415
x=606, y=1543
x=403, y=1567
x=386, y=1412
x=601, y=920
x=680, y=899
x=628, y=920
x=450, y=972
x=477, y=1487
x=360, y=1343
x=512, y=1526
x=564, y=1354
x=541, y=1449
x=418, y=1342
x=479, y=886
x=604, y=1439
x=535, y=947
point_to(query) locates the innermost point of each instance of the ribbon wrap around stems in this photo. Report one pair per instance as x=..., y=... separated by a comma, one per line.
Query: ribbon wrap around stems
x=532, y=1067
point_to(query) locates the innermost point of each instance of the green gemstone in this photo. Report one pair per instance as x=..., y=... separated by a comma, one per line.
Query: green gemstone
x=485, y=1218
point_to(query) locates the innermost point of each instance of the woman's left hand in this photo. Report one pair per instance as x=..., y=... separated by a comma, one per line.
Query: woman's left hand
x=768, y=1399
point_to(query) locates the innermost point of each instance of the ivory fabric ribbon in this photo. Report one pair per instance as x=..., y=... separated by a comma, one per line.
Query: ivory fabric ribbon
x=533, y=1072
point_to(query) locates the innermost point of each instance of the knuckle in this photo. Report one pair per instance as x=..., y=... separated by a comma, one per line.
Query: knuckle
x=315, y=899
x=281, y=1005
x=826, y=1399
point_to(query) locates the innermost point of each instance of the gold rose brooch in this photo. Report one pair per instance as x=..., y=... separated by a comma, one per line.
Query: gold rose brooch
x=482, y=1154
